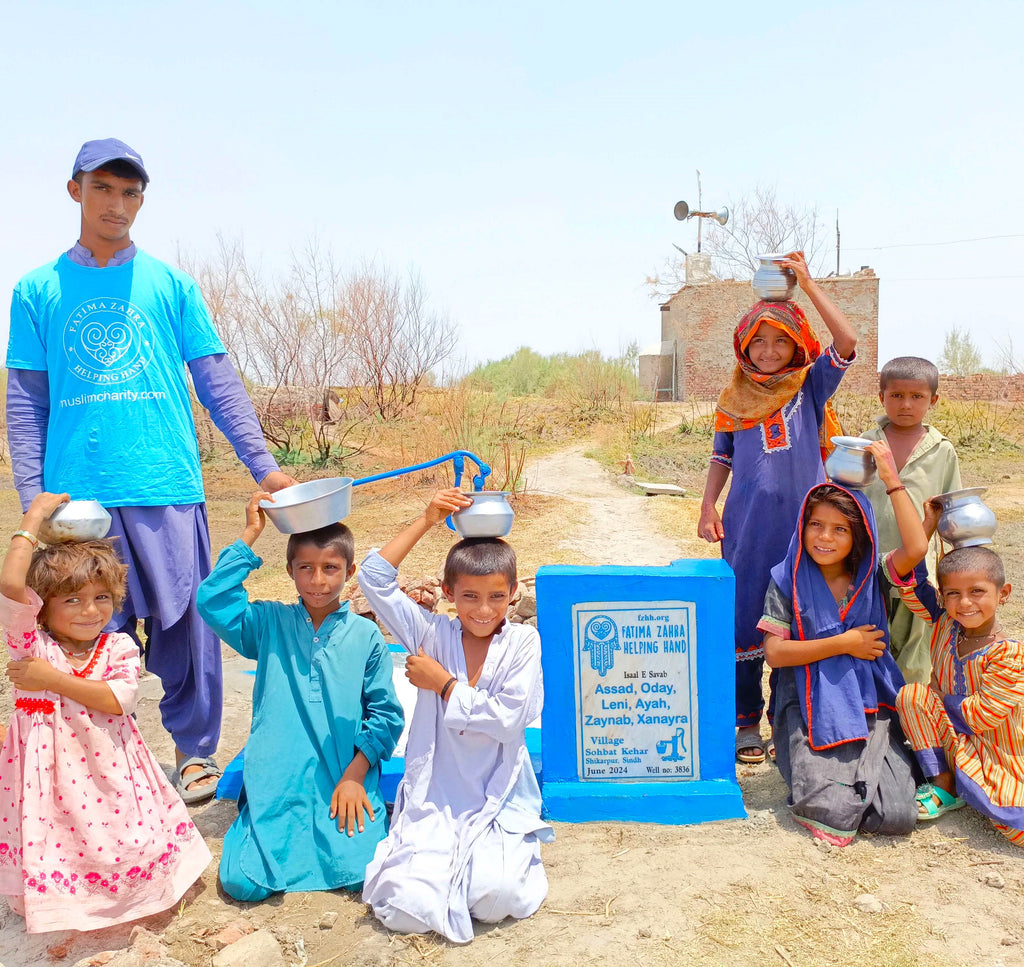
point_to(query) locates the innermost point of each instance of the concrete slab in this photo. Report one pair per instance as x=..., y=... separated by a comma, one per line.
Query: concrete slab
x=656, y=489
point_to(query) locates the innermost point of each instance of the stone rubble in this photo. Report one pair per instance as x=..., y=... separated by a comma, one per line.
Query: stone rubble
x=146, y=950
x=257, y=949
x=328, y=920
x=867, y=903
x=232, y=933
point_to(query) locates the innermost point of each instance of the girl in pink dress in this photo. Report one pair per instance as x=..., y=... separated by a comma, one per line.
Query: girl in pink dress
x=91, y=831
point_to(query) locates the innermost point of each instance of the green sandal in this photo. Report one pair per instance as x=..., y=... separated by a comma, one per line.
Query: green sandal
x=928, y=809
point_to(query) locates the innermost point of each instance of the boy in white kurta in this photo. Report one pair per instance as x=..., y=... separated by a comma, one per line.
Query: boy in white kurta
x=465, y=838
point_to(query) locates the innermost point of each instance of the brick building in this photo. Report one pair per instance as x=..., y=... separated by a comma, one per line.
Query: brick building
x=698, y=322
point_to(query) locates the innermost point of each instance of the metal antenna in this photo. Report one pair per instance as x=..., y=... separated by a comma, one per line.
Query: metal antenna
x=700, y=201
x=683, y=213
x=837, y=241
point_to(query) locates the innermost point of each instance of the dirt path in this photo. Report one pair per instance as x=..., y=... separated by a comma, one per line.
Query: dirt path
x=756, y=891
x=618, y=530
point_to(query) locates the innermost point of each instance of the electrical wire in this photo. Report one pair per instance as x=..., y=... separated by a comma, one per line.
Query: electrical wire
x=955, y=241
x=949, y=278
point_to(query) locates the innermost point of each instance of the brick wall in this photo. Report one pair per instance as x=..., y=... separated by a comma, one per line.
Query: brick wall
x=702, y=319
x=1003, y=389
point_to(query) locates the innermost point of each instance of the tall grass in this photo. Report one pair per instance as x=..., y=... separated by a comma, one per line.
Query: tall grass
x=698, y=419
x=462, y=417
x=977, y=425
x=857, y=413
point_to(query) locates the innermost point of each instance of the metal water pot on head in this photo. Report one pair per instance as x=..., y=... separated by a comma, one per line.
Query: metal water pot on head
x=850, y=464
x=75, y=520
x=771, y=281
x=490, y=515
x=965, y=520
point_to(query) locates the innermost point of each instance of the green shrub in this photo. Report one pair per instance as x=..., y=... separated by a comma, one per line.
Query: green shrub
x=591, y=382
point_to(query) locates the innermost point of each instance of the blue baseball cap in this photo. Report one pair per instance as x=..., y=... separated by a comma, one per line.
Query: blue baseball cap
x=95, y=154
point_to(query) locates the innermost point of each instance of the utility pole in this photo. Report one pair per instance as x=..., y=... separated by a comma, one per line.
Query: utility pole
x=837, y=241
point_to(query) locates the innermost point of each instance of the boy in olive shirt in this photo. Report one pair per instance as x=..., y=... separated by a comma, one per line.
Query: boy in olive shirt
x=927, y=465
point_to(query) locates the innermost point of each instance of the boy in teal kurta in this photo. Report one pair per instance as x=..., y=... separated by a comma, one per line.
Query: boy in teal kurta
x=928, y=465
x=324, y=714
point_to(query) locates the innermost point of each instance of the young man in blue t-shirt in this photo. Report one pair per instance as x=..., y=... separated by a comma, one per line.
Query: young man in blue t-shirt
x=98, y=407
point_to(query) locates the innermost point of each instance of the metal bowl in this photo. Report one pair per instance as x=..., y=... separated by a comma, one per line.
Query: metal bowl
x=309, y=506
x=77, y=520
x=490, y=515
x=850, y=464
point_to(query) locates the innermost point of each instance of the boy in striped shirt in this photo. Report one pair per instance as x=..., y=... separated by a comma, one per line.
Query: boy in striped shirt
x=967, y=724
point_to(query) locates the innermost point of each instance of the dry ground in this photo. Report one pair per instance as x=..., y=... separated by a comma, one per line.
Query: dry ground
x=758, y=891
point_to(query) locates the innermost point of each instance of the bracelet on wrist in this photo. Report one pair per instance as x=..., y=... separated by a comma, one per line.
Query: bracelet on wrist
x=446, y=686
x=28, y=535
x=896, y=489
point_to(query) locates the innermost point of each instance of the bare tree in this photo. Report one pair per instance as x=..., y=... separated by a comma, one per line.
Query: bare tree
x=288, y=341
x=762, y=224
x=217, y=277
x=218, y=280
x=297, y=339
x=395, y=340
x=757, y=224
x=1008, y=360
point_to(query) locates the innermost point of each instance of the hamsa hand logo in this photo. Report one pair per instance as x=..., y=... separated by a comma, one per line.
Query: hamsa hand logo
x=601, y=639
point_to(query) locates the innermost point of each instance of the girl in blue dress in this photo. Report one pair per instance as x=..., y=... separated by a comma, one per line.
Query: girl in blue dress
x=771, y=424
x=841, y=748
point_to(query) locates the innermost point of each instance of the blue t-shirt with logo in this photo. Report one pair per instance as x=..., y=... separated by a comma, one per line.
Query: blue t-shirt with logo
x=114, y=343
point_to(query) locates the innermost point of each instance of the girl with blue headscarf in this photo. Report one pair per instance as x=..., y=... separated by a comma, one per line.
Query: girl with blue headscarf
x=838, y=738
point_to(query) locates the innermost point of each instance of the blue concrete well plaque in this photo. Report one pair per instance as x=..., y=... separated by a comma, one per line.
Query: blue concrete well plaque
x=639, y=693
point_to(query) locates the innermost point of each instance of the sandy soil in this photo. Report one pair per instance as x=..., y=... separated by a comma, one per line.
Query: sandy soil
x=738, y=892
x=615, y=527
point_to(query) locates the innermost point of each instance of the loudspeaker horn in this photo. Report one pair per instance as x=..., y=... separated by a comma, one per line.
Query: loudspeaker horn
x=681, y=210
x=722, y=216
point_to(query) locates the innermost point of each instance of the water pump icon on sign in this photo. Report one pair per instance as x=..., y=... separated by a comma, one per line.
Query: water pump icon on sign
x=678, y=747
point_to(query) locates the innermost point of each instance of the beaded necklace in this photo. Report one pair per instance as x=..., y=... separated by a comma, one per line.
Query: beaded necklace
x=96, y=652
x=961, y=637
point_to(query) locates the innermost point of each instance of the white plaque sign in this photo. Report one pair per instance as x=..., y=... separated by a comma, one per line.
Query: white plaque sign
x=636, y=690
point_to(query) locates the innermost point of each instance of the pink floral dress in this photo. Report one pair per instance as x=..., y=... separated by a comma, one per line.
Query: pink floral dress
x=91, y=831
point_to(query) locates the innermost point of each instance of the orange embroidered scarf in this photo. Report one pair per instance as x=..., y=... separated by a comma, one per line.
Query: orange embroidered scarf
x=753, y=396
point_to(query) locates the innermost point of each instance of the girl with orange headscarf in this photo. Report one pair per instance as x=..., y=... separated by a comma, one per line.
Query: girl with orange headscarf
x=770, y=426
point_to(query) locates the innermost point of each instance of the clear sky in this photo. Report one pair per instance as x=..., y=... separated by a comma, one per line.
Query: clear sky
x=525, y=157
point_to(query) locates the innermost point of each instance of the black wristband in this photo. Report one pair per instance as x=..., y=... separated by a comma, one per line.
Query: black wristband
x=447, y=685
